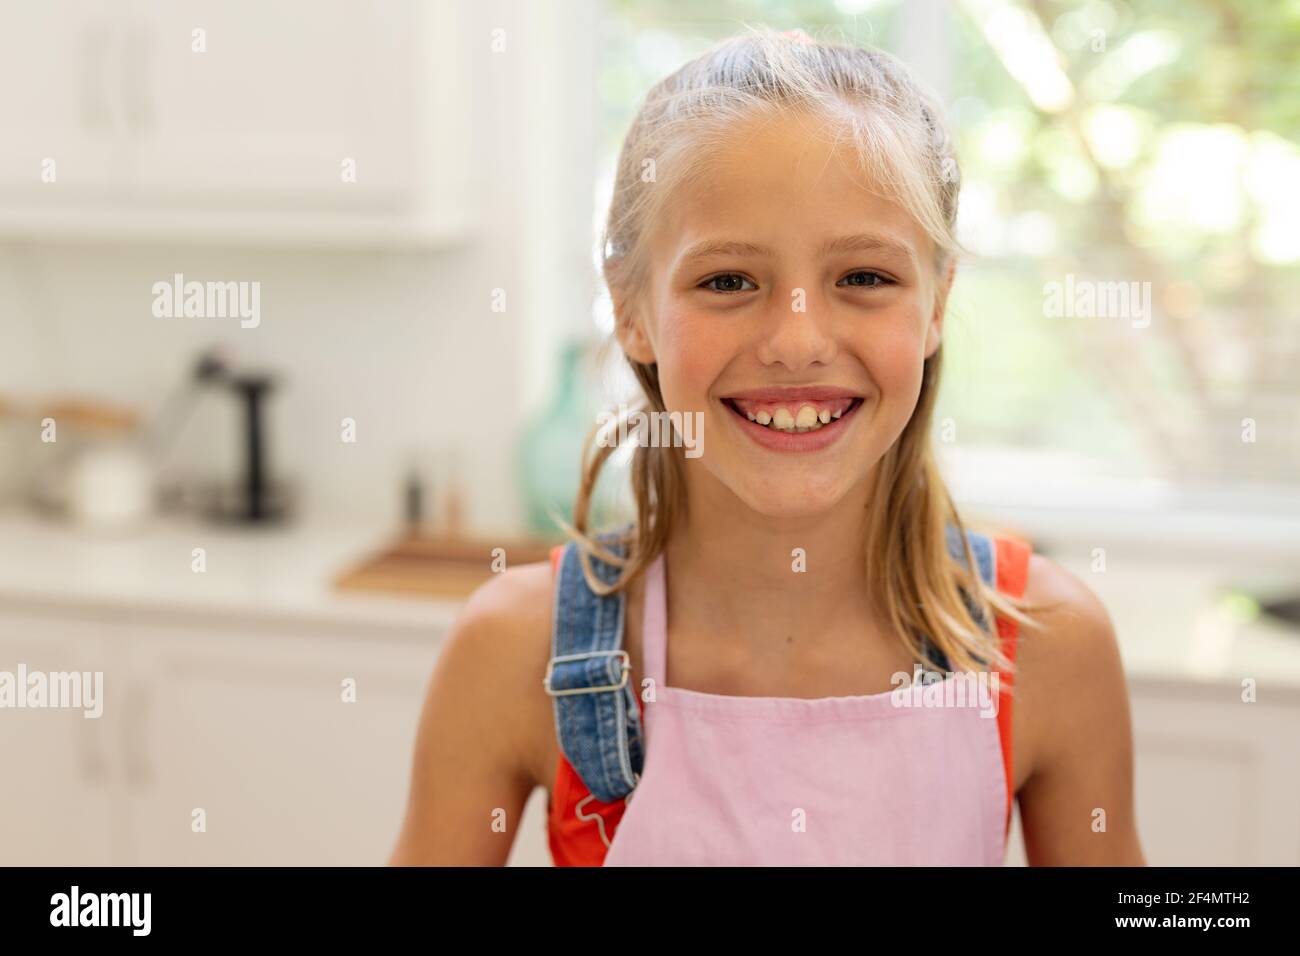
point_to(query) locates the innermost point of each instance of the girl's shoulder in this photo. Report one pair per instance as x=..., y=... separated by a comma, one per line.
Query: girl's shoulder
x=500, y=644
x=1072, y=618
x=506, y=615
x=1070, y=679
x=512, y=597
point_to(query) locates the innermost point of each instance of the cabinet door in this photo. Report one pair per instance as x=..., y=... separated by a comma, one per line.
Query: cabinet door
x=1217, y=779
x=257, y=733
x=249, y=102
x=60, y=64
x=59, y=803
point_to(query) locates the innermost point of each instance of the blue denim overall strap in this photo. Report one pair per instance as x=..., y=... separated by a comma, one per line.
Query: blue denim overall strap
x=985, y=552
x=597, y=719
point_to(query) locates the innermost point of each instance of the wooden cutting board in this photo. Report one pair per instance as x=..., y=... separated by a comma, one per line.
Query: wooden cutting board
x=439, y=567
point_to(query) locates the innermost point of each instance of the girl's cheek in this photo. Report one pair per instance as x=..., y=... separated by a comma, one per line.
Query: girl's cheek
x=693, y=354
x=902, y=365
x=891, y=359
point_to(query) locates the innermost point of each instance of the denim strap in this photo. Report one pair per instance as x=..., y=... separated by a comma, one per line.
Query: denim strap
x=985, y=553
x=596, y=716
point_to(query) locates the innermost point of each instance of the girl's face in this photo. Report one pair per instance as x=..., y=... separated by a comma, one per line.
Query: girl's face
x=793, y=308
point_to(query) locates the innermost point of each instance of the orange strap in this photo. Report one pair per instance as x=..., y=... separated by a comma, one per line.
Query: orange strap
x=1012, y=576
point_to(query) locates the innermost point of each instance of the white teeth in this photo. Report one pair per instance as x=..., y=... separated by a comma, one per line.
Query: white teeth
x=806, y=419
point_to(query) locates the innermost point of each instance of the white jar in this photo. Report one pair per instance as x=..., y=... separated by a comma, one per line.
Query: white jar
x=109, y=485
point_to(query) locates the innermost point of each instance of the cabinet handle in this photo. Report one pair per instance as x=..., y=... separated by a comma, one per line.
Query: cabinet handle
x=135, y=78
x=94, y=767
x=96, y=43
x=135, y=734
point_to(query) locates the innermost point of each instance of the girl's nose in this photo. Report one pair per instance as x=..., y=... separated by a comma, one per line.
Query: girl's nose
x=797, y=334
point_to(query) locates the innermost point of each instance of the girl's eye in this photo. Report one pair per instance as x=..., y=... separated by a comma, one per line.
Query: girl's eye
x=730, y=280
x=864, y=279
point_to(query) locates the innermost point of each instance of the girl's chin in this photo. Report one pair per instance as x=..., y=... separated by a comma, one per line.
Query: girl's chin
x=792, y=486
x=797, y=502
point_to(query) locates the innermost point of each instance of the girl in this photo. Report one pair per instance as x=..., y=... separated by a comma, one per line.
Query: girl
x=733, y=678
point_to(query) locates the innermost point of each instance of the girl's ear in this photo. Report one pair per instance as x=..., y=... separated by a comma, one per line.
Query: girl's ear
x=934, y=332
x=630, y=329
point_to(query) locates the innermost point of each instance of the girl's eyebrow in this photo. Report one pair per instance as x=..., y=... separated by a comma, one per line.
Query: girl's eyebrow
x=860, y=242
x=868, y=242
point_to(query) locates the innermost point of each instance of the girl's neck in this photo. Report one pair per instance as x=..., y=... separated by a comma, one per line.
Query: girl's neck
x=788, y=573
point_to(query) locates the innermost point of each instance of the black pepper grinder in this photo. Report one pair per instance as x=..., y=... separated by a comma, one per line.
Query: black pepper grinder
x=413, y=503
x=256, y=504
x=254, y=499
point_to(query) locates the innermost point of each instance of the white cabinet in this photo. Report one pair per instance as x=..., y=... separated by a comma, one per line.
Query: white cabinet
x=302, y=120
x=256, y=733
x=280, y=98
x=58, y=800
x=1216, y=780
x=56, y=106
x=250, y=725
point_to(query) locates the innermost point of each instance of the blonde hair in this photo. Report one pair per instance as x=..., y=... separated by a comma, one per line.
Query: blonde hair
x=897, y=129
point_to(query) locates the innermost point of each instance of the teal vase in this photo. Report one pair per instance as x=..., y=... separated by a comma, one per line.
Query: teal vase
x=550, y=452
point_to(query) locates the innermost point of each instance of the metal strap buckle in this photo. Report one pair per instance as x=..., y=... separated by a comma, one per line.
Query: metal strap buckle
x=566, y=658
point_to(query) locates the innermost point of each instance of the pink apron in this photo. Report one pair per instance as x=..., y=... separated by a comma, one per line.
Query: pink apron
x=745, y=781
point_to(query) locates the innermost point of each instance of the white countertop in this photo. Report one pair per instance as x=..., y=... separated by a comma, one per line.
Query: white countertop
x=264, y=575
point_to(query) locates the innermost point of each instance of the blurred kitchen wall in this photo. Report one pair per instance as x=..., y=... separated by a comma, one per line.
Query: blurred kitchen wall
x=399, y=334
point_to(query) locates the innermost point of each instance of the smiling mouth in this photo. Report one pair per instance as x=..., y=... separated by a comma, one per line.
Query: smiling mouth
x=793, y=417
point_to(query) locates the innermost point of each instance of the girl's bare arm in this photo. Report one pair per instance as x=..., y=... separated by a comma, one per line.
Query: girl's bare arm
x=476, y=752
x=1076, y=806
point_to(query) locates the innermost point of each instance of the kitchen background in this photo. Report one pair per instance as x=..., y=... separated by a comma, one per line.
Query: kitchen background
x=259, y=528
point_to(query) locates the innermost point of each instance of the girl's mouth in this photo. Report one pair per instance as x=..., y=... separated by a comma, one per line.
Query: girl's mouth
x=794, y=421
